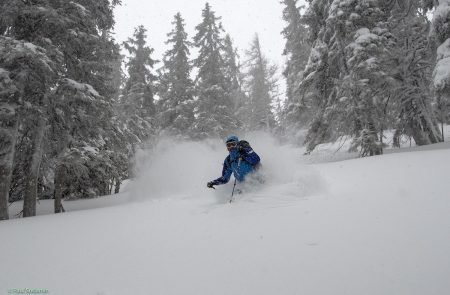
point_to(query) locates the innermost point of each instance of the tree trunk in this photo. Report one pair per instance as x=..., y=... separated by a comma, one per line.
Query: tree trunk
x=420, y=137
x=381, y=142
x=8, y=137
x=117, y=187
x=429, y=123
x=425, y=131
x=31, y=181
x=58, y=189
x=111, y=185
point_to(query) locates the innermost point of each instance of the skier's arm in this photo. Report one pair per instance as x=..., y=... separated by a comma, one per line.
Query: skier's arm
x=226, y=174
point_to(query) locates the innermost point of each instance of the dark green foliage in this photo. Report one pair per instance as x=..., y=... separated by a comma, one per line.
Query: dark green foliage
x=297, y=49
x=235, y=81
x=368, y=71
x=138, y=88
x=136, y=109
x=74, y=36
x=260, y=83
x=440, y=32
x=32, y=73
x=410, y=64
x=215, y=115
x=177, y=89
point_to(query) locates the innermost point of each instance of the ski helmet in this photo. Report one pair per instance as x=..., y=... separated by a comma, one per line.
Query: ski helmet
x=232, y=138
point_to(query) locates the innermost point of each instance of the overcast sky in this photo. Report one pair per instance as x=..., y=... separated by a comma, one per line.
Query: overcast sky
x=240, y=18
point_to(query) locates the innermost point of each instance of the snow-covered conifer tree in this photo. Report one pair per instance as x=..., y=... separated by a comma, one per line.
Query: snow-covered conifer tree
x=86, y=94
x=85, y=164
x=441, y=74
x=176, y=115
x=353, y=78
x=409, y=62
x=137, y=100
x=298, y=111
x=138, y=90
x=34, y=63
x=26, y=75
x=234, y=78
x=8, y=134
x=260, y=83
x=318, y=82
x=215, y=114
x=360, y=41
x=75, y=36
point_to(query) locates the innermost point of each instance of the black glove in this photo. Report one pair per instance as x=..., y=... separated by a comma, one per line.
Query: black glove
x=243, y=146
x=210, y=184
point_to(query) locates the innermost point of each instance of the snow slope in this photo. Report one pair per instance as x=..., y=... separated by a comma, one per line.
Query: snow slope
x=378, y=225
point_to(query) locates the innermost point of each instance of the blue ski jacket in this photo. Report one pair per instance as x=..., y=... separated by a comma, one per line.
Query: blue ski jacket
x=240, y=163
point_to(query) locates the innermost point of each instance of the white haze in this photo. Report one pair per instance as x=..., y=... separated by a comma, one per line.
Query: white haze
x=182, y=169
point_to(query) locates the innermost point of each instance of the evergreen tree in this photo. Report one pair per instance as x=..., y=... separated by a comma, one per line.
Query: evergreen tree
x=76, y=36
x=22, y=25
x=215, y=115
x=260, y=84
x=87, y=162
x=27, y=74
x=297, y=49
x=234, y=78
x=360, y=41
x=137, y=108
x=441, y=75
x=85, y=94
x=232, y=69
x=356, y=81
x=409, y=62
x=138, y=90
x=8, y=134
x=177, y=112
x=346, y=54
x=318, y=82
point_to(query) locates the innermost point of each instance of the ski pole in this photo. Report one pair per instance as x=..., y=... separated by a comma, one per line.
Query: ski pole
x=232, y=193
x=234, y=186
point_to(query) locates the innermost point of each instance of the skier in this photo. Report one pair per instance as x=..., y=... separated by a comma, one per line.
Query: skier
x=241, y=161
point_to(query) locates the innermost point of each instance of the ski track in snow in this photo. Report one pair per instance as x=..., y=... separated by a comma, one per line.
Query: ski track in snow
x=376, y=225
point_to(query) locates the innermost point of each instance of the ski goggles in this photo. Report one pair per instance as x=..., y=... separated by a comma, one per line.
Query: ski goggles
x=231, y=144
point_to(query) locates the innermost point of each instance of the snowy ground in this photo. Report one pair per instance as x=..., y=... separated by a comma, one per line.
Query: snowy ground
x=378, y=225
